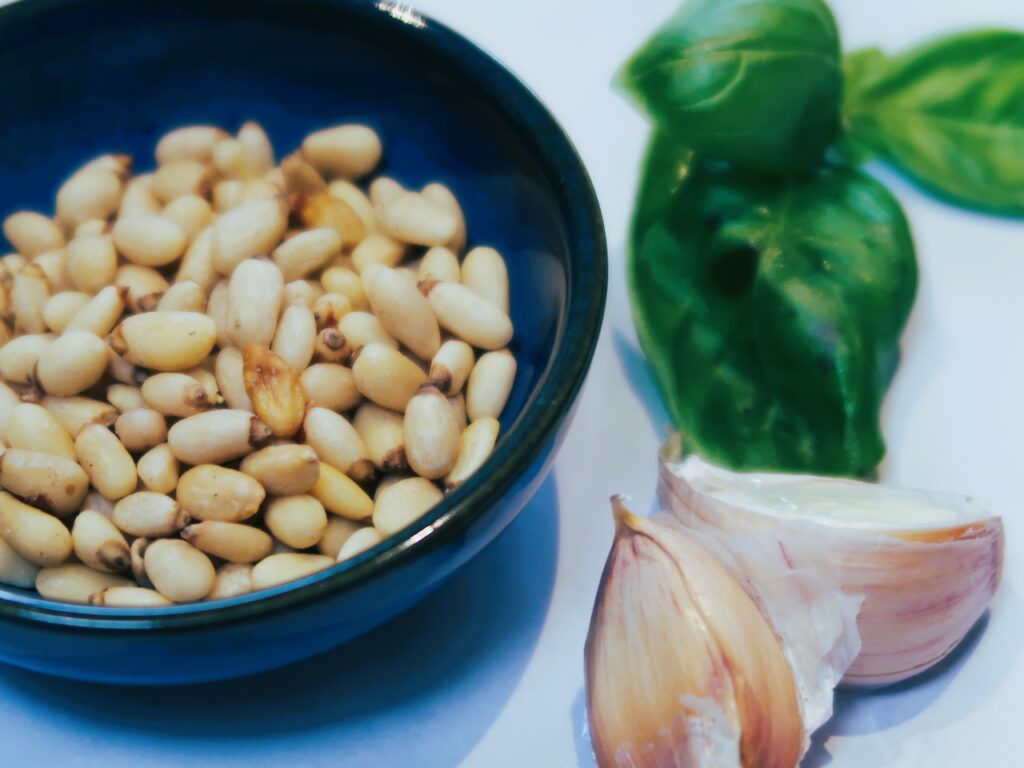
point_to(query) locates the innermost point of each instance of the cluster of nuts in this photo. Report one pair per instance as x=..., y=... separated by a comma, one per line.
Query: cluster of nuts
x=228, y=373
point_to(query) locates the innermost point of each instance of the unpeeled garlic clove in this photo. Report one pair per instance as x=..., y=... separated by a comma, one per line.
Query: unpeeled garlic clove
x=683, y=670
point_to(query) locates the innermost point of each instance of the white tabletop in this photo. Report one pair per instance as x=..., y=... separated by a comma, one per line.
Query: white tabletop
x=488, y=673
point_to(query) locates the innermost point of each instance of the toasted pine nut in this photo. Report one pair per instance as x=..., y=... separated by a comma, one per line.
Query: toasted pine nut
x=404, y=502
x=307, y=252
x=179, y=571
x=34, y=428
x=72, y=363
x=52, y=483
x=165, y=341
x=129, y=597
x=28, y=297
x=149, y=514
x=451, y=366
x=15, y=570
x=283, y=470
x=231, y=380
x=330, y=386
x=216, y=437
x=490, y=384
x=74, y=582
x=38, y=537
x=141, y=429
x=360, y=541
x=412, y=218
x=355, y=198
x=32, y=233
x=431, y=433
x=233, y=579
x=402, y=309
x=212, y=492
x=341, y=495
x=143, y=285
x=274, y=388
x=234, y=542
x=256, y=148
x=301, y=292
x=76, y=412
x=148, y=239
x=179, y=178
x=336, y=533
x=183, y=297
x=197, y=263
x=106, y=461
x=138, y=197
x=20, y=355
x=217, y=309
x=192, y=142
x=298, y=521
x=468, y=315
x=125, y=397
x=61, y=308
x=190, y=212
x=329, y=309
x=349, y=151
x=254, y=302
x=295, y=337
x=91, y=262
x=250, y=229
x=475, y=445
x=138, y=556
x=331, y=347
x=175, y=394
x=158, y=469
x=54, y=265
x=301, y=178
x=386, y=376
x=377, y=248
x=337, y=443
x=347, y=283
x=101, y=313
x=441, y=195
x=88, y=194
x=282, y=568
x=322, y=209
x=439, y=263
x=484, y=272
x=383, y=433
x=99, y=544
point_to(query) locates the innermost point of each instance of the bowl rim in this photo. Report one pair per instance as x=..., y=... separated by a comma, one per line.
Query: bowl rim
x=565, y=369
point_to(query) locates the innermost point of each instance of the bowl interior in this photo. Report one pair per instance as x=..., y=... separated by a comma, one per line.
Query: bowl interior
x=86, y=78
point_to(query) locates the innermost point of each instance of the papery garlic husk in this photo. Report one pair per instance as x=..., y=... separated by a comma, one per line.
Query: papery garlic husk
x=683, y=670
x=924, y=566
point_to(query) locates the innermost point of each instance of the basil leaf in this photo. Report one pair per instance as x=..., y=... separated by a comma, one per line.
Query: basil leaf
x=752, y=82
x=950, y=115
x=770, y=309
x=860, y=69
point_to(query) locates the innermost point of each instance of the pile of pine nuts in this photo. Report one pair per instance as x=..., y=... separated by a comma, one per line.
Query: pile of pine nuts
x=231, y=373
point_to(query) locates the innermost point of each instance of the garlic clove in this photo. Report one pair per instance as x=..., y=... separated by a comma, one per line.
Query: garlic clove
x=682, y=668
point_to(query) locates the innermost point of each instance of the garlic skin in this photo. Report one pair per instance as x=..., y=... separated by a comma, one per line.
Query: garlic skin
x=923, y=566
x=683, y=670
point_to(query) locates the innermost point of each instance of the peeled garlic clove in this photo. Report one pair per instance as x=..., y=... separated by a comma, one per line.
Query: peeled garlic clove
x=682, y=668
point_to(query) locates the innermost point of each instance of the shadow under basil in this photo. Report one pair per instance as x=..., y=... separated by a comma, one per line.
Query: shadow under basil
x=429, y=682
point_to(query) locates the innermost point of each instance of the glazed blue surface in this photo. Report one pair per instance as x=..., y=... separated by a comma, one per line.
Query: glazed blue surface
x=83, y=78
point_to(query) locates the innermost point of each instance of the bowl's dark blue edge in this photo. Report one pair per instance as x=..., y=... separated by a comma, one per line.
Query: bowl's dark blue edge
x=537, y=425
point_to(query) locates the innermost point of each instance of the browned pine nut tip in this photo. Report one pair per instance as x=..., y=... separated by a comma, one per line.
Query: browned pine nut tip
x=274, y=388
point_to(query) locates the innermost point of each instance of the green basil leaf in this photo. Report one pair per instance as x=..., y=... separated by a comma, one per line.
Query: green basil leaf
x=949, y=114
x=771, y=309
x=860, y=68
x=753, y=82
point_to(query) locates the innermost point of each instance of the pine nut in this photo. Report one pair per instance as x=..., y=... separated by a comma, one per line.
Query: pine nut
x=124, y=372
x=129, y=597
x=93, y=227
x=125, y=397
x=138, y=556
x=403, y=311
x=183, y=297
x=228, y=194
x=383, y=433
x=484, y=272
x=331, y=386
x=469, y=316
x=360, y=541
x=20, y=355
x=349, y=193
x=107, y=462
x=72, y=363
x=439, y=263
x=197, y=263
x=54, y=265
x=175, y=394
x=179, y=178
x=283, y=470
x=91, y=262
x=307, y=252
x=295, y=337
x=475, y=445
x=100, y=315
x=217, y=309
x=232, y=580
x=15, y=570
x=28, y=297
x=192, y=142
x=414, y=219
x=439, y=194
x=331, y=347
x=190, y=212
x=490, y=384
x=141, y=429
x=88, y=194
x=138, y=197
x=38, y=537
x=431, y=433
x=99, y=544
x=230, y=379
x=33, y=428
x=459, y=408
x=256, y=148
x=297, y=521
x=382, y=191
x=329, y=309
x=254, y=302
x=165, y=341
x=149, y=514
x=322, y=209
x=158, y=469
x=301, y=178
x=119, y=165
x=301, y=292
x=347, y=283
x=386, y=376
x=148, y=239
x=252, y=228
x=229, y=159
x=52, y=483
x=404, y=502
x=349, y=151
x=212, y=492
x=179, y=571
x=13, y=263
x=32, y=233
x=377, y=248
x=61, y=308
x=216, y=437
x=207, y=380
x=143, y=285
x=234, y=542
x=97, y=502
x=74, y=582
x=451, y=366
x=337, y=443
x=9, y=400
x=341, y=495
x=336, y=533
x=274, y=388
x=76, y=413
x=282, y=568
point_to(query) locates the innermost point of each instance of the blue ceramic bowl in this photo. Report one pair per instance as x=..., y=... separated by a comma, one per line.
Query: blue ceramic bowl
x=81, y=78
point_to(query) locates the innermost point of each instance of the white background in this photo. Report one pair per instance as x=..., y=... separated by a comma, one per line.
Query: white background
x=489, y=673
